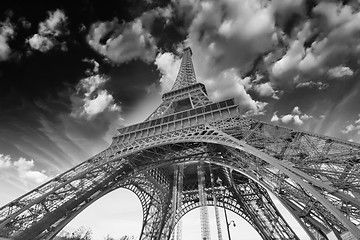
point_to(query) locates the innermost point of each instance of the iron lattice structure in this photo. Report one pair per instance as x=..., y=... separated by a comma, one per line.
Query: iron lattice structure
x=194, y=153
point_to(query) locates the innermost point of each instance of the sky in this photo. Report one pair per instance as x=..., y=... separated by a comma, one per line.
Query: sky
x=72, y=72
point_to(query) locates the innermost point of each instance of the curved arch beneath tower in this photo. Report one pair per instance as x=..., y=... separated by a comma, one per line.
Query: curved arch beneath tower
x=227, y=206
x=220, y=140
x=137, y=185
x=297, y=176
x=128, y=183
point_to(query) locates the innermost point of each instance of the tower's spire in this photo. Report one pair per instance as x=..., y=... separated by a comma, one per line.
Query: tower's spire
x=185, y=94
x=186, y=75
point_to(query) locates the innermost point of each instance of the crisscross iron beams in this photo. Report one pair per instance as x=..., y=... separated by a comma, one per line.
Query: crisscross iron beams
x=258, y=204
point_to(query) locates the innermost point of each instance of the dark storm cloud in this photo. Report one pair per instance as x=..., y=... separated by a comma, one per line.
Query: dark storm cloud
x=129, y=84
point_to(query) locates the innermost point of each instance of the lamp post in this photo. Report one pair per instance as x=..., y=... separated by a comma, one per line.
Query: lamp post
x=219, y=181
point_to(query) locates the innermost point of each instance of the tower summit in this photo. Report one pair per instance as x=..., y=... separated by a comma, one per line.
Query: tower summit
x=186, y=75
x=193, y=153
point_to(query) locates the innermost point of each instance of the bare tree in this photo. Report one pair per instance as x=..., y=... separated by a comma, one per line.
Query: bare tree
x=80, y=234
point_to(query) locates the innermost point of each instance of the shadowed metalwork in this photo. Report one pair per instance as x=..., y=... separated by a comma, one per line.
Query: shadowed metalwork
x=175, y=160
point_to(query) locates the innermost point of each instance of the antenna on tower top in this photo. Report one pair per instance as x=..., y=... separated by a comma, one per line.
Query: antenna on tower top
x=187, y=49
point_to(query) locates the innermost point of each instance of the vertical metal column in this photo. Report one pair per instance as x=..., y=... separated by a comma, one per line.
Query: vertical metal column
x=180, y=196
x=217, y=216
x=174, y=198
x=177, y=199
x=204, y=216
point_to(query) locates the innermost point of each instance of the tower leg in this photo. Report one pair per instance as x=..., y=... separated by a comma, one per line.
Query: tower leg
x=204, y=217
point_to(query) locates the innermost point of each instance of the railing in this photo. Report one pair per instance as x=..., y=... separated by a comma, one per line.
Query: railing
x=179, y=115
x=177, y=121
x=183, y=90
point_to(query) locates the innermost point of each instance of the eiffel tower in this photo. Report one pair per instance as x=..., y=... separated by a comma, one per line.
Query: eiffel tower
x=193, y=153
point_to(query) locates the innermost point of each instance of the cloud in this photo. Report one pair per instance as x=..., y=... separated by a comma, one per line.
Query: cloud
x=296, y=117
x=311, y=84
x=320, y=48
x=257, y=109
x=41, y=43
x=296, y=111
x=340, y=71
x=102, y=101
x=95, y=69
x=6, y=33
x=265, y=90
x=230, y=34
x=47, y=37
x=168, y=65
x=229, y=84
x=122, y=42
x=55, y=25
x=186, y=9
x=287, y=12
x=353, y=127
x=287, y=66
x=5, y=161
x=23, y=169
x=91, y=99
x=275, y=117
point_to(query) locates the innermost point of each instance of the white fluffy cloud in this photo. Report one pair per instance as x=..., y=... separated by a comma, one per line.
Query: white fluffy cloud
x=41, y=43
x=55, y=24
x=340, y=71
x=229, y=84
x=91, y=99
x=124, y=41
x=24, y=169
x=53, y=27
x=96, y=105
x=296, y=117
x=287, y=66
x=265, y=90
x=168, y=64
x=5, y=161
x=6, y=33
x=353, y=127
